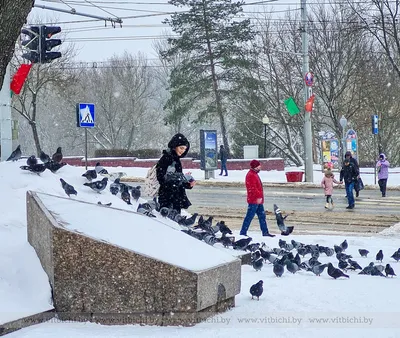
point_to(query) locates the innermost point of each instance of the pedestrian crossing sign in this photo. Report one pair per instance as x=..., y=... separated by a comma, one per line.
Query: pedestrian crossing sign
x=85, y=115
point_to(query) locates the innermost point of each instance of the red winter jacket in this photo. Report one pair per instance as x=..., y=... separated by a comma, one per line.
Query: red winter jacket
x=254, y=187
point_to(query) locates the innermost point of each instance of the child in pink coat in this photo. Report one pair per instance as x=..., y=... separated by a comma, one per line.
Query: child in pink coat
x=327, y=184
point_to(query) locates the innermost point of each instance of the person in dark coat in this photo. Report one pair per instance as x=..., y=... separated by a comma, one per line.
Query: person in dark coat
x=353, y=161
x=223, y=156
x=349, y=174
x=173, y=183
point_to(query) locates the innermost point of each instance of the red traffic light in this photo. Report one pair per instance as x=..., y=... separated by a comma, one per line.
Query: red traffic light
x=49, y=31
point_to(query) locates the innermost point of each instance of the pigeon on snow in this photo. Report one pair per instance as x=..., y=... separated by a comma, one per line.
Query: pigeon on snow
x=15, y=155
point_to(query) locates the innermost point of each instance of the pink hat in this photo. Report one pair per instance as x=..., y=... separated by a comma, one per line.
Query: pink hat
x=254, y=164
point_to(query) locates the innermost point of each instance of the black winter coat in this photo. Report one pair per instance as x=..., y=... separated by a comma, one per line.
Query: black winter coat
x=172, y=192
x=349, y=173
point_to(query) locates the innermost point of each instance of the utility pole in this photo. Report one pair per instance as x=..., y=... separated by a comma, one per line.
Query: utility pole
x=308, y=155
x=5, y=116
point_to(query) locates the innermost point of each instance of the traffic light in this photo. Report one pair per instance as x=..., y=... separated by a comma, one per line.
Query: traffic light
x=47, y=43
x=32, y=43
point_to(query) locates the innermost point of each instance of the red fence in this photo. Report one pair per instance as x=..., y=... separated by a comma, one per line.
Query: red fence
x=187, y=163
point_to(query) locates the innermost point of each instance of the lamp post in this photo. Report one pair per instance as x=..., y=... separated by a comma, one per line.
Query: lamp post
x=265, y=121
x=343, y=123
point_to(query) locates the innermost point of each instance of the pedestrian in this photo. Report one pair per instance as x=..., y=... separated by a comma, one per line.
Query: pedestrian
x=173, y=184
x=223, y=156
x=357, y=186
x=383, y=173
x=349, y=174
x=327, y=184
x=255, y=200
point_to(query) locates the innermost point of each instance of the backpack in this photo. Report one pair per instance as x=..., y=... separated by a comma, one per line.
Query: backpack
x=151, y=184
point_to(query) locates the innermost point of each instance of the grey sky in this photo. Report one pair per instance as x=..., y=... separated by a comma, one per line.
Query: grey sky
x=142, y=24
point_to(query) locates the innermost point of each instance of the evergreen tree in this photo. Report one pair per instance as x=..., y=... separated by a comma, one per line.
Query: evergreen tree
x=212, y=36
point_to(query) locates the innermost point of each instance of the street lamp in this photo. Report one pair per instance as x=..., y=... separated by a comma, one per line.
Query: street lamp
x=343, y=123
x=265, y=121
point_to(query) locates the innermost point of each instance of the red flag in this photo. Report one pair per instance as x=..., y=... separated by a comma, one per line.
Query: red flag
x=20, y=77
x=310, y=103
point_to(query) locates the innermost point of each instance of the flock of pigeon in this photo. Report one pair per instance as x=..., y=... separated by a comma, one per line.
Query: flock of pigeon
x=51, y=163
x=283, y=257
x=211, y=234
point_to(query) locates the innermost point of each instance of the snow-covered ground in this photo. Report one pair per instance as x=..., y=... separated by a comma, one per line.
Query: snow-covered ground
x=301, y=305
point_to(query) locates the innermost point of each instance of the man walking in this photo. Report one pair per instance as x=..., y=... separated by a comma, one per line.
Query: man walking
x=349, y=174
x=255, y=200
x=223, y=156
x=354, y=162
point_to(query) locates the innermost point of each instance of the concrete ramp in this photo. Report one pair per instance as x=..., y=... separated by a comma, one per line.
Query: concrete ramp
x=117, y=267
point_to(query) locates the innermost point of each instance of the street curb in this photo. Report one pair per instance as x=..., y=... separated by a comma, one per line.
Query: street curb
x=303, y=185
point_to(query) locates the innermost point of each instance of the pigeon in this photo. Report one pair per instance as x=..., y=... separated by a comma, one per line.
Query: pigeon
x=256, y=255
x=97, y=186
x=224, y=229
x=164, y=212
x=136, y=192
x=344, y=245
x=15, y=155
x=354, y=265
x=367, y=270
x=302, y=251
x=57, y=156
x=256, y=290
x=280, y=221
x=342, y=256
x=306, y=266
x=375, y=271
x=189, y=221
x=36, y=168
x=32, y=160
x=292, y=267
x=335, y=273
x=329, y=251
x=125, y=195
x=225, y=241
x=389, y=270
x=253, y=247
x=297, y=259
x=44, y=157
x=68, y=188
x=257, y=264
x=194, y=234
x=54, y=166
x=379, y=256
x=396, y=256
x=343, y=265
x=114, y=187
x=278, y=269
x=318, y=269
x=144, y=211
x=210, y=239
x=100, y=169
x=105, y=204
x=337, y=248
x=90, y=175
x=363, y=252
x=281, y=243
x=242, y=244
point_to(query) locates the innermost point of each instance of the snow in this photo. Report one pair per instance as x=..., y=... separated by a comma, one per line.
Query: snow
x=129, y=230
x=362, y=306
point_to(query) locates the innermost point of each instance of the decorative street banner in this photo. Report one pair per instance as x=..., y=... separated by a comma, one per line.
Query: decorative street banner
x=291, y=106
x=208, y=150
x=351, y=143
x=330, y=152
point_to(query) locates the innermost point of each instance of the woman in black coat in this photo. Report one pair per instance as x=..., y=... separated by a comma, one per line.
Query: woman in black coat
x=173, y=183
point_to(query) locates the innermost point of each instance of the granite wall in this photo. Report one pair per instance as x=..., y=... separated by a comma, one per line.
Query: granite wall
x=97, y=281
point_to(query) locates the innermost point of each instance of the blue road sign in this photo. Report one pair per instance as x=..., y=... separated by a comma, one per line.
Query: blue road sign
x=374, y=124
x=85, y=115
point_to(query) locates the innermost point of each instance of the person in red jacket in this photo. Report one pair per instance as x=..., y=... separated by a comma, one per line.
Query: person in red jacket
x=255, y=200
